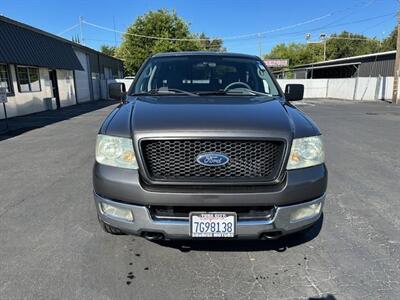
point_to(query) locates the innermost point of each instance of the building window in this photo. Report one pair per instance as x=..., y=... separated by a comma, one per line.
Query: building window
x=28, y=79
x=5, y=79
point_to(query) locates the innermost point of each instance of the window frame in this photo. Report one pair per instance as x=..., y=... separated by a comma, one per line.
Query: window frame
x=29, y=79
x=9, y=80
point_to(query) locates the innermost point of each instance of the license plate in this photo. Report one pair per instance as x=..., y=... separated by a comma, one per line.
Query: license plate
x=212, y=224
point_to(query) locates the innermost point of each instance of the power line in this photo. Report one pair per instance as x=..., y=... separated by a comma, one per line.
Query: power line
x=68, y=29
x=205, y=47
x=341, y=24
x=244, y=36
x=252, y=36
x=257, y=34
x=350, y=38
x=277, y=29
x=376, y=25
x=333, y=26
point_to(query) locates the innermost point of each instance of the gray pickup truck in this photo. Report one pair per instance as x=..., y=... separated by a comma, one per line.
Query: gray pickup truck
x=207, y=146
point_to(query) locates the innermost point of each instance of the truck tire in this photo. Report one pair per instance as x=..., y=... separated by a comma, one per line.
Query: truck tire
x=108, y=228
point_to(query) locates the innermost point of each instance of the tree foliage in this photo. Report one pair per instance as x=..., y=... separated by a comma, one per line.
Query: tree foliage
x=135, y=48
x=389, y=43
x=344, y=44
x=348, y=44
x=297, y=53
x=108, y=50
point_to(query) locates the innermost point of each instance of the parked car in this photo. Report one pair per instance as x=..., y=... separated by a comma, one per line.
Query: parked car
x=206, y=145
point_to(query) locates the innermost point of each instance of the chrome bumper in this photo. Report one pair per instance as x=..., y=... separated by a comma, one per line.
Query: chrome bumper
x=179, y=229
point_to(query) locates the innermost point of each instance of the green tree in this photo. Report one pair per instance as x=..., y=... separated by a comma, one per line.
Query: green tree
x=297, y=53
x=136, y=47
x=389, y=43
x=348, y=44
x=108, y=50
x=340, y=45
x=211, y=44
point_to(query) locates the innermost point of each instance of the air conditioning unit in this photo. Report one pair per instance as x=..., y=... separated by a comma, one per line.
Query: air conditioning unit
x=50, y=103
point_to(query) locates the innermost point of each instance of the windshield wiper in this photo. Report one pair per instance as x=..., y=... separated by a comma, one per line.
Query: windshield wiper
x=241, y=91
x=218, y=92
x=177, y=91
x=165, y=91
x=253, y=92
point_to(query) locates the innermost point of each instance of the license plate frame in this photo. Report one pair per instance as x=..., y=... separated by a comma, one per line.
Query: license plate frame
x=220, y=231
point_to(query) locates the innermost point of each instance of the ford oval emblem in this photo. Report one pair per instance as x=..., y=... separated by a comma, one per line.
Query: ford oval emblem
x=212, y=159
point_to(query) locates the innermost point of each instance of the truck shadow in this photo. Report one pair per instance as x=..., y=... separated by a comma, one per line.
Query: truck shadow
x=279, y=245
x=327, y=297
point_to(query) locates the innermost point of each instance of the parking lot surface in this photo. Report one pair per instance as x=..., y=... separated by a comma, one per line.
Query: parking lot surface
x=51, y=246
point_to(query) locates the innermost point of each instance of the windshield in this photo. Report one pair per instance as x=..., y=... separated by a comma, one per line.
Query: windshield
x=205, y=75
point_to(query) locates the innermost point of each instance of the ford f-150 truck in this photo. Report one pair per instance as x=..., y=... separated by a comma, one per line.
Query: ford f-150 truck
x=207, y=146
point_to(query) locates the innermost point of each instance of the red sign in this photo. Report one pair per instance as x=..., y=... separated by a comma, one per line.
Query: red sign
x=276, y=63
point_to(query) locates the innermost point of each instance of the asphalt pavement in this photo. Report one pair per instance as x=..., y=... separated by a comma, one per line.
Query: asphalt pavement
x=51, y=246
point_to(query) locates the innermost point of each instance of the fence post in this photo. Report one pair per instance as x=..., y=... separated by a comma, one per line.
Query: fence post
x=327, y=88
x=378, y=88
x=355, y=88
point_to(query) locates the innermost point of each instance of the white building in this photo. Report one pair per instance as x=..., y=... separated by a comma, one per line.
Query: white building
x=36, y=65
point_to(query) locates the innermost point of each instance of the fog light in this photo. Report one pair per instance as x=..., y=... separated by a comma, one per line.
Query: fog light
x=118, y=212
x=305, y=212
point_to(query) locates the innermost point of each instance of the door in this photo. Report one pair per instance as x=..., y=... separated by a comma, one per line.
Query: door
x=54, y=85
x=83, y=91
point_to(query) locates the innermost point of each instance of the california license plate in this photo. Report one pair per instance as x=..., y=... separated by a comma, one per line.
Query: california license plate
x=213, y=224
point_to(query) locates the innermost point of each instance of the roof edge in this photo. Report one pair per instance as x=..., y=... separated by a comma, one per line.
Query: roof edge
x=211, y=53
x=346, y=58
x=51, y=35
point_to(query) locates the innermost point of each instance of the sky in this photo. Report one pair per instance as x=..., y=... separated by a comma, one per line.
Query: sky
x=281, y=21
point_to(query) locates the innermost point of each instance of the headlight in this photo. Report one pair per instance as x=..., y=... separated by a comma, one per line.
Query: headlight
x=115, y=151
x=306, y=152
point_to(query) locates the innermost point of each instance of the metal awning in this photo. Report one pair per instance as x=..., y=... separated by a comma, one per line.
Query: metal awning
x=19, y=45
x=330, y=66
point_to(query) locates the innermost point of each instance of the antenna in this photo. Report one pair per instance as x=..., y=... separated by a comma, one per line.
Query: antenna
x=115, y=33
x=81, y=30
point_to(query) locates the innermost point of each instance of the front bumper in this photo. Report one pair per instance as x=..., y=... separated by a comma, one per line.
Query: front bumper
x=143, y=222
x=125, y=186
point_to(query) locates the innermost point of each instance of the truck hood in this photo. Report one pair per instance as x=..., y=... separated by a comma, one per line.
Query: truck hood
x=209, y=116
x=236, y=116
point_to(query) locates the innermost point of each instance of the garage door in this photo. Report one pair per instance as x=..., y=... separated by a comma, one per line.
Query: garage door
x=82, y=79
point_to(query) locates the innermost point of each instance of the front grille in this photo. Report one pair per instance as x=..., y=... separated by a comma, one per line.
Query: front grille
x=175, y=160
x=183, y=212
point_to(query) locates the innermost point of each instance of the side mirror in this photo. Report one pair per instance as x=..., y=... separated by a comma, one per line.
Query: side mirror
x=117, y=91
x=294, y=92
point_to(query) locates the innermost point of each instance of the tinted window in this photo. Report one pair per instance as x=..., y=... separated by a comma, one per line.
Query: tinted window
x=204, y=74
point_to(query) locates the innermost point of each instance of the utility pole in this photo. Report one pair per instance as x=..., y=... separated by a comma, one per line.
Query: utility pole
x=259, y=44
x=323, y=38
x=81, y=30
x=395, y=98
